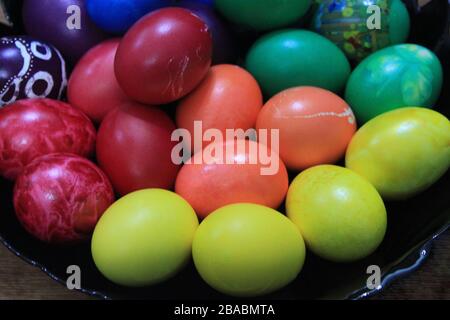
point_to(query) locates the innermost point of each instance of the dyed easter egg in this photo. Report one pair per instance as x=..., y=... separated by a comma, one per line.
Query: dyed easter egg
x=30, y=68
x=62, y=23
x=203, y=2
x=398, y=76
x=345, y=23
x=60, y=197
x=93, y=87
x=291, y=58
x=117, y=16
x=263, y=14
x=134, y=148
x=144, y=238
x=227, y=89
x=163, y=73
x=340, y=215
x=233, y=171
x=402, y=152
x=315, y=126
x=224, y=44
x=36, y=127
x=248, y=250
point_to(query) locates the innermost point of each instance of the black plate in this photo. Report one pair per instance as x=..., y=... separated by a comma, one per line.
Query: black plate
x=412, y=225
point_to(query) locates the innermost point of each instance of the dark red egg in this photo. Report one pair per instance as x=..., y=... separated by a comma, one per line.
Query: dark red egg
x=134, y=148
x=164, y=56
x=93, y=87
x=59, y=198
x=36, y=127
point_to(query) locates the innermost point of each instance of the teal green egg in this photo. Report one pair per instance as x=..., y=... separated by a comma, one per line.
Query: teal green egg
x=346, y=23
x=400, y=76
x=263, y=15
x=290, y=58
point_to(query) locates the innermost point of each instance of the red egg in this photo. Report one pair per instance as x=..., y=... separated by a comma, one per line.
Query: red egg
x=36, y=127
x=59, y=198
x=93, y=87
x=315, y=126
x=164, y=56
x=134, y=148
x=232, y=174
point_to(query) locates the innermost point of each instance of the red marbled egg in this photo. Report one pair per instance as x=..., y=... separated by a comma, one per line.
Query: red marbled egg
x=36, y=127
x=59, y=198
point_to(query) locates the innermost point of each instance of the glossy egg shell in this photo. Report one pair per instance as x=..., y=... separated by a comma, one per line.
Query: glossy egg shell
x=93, y=87
x=402, y=152
x=263, y=14
x=315, y=126
x=144, y=238
x=289, y=58
x=345, y=24
x=405, y=75
x=163, y=73
x=117, y=16
x=233, y=175
x=64, y=24
x=134, y=148
x=36, y=127
x=30, y=68
x=340, y=214
x=60, y=197
x=248, y=250
x=224, y=42
x=228, y=98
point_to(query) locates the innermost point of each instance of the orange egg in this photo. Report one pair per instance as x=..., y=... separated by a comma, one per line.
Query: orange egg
x=234, y=171
x=228, y=98
x=315, y=126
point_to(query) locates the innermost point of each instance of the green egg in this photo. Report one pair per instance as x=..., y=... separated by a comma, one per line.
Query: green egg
x=291, y=58
x=263, y=14
x=404, y=75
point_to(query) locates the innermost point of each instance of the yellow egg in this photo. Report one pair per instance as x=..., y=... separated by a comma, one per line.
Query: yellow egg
x=340, y=215
x=144, y=238
x=248, y=250
x=402, y=152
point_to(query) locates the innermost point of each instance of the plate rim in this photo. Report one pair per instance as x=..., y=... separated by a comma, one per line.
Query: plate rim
x=421, y=251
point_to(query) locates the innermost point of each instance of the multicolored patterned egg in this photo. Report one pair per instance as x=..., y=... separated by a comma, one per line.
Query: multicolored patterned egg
x=399, y=76
x=30, y=69
x=361, y=27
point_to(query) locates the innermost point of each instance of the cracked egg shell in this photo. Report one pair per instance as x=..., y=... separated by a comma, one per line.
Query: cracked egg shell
x=315, y=126
x=164, y=56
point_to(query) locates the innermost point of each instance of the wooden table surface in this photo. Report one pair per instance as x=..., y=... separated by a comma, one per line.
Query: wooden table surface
x=18, y=280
